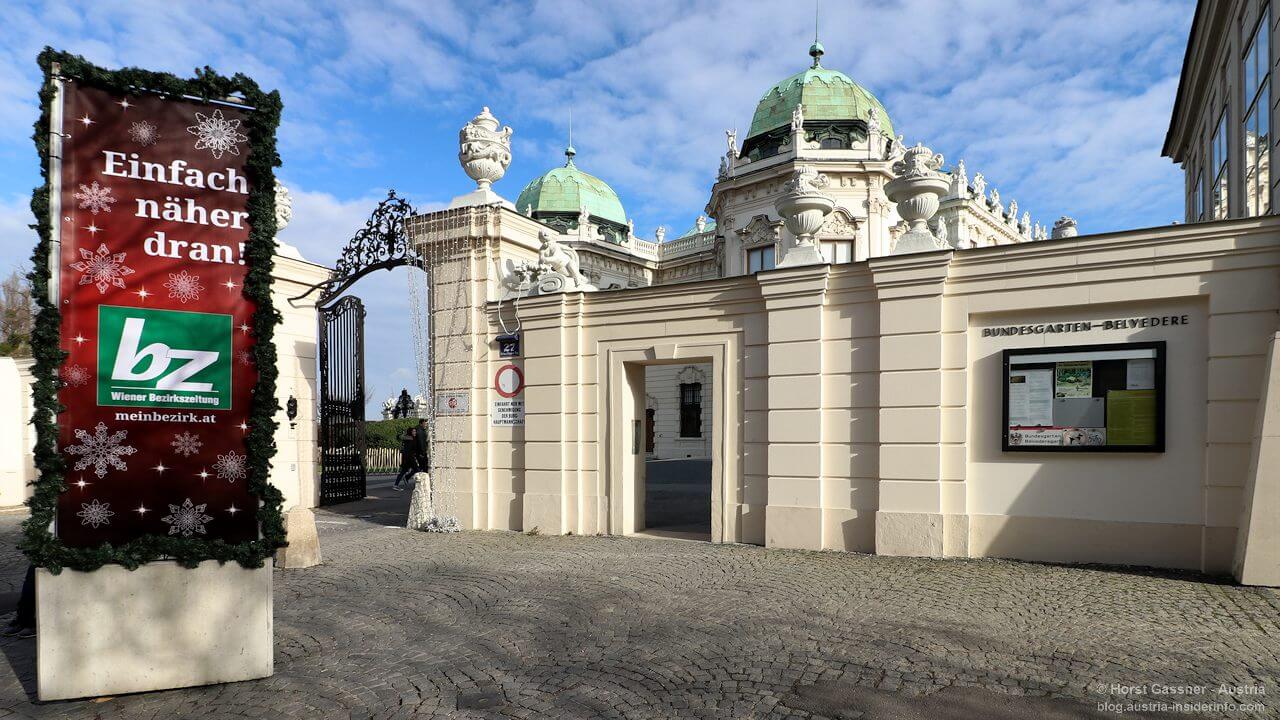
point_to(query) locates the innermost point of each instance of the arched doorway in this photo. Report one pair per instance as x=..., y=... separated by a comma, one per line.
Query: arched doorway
x=382, y=244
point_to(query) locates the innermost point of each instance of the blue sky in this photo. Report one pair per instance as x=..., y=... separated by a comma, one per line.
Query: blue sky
x=1063, y=105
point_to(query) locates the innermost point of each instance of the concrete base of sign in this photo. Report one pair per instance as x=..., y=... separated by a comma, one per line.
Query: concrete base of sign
x=303, y=550
x=115, y=631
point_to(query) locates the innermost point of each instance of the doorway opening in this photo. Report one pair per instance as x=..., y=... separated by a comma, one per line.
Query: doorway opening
x=678, y=445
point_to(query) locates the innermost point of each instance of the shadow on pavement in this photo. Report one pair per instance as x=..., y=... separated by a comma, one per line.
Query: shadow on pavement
x=382, y=505
x=677, y=499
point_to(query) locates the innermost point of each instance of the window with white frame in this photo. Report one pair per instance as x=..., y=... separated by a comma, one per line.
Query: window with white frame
x=1218, y=166
x=761, y=258
x=836, y=251
x=1257, y=119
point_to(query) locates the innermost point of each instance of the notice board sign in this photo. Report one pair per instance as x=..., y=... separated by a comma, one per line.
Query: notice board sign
x=159, y=374
x=1086, y=398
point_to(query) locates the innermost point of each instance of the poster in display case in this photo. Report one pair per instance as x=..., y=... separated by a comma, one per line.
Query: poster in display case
x=1084, y=398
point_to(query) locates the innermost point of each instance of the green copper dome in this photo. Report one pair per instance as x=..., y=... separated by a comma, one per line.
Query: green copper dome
x=566, y=190
x=825, y=94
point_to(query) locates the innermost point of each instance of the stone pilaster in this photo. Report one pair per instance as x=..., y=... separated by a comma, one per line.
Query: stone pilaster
x=910, y=517
x=793, y=306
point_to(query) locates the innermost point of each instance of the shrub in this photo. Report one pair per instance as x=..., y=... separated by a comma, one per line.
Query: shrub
x=386, y=433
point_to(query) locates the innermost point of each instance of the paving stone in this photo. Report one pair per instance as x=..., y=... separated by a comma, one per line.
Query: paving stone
x=400, y=624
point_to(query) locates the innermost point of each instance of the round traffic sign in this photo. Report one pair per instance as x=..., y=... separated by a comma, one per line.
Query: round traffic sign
x=508, y=381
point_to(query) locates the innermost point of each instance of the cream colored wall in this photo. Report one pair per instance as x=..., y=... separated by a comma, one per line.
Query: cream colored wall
x=662, y=393
x=1223, y=276
x=17, y=466
x=861, y=405
x=293, y=469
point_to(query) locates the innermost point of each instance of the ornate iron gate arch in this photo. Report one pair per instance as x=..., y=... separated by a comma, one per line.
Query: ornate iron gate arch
x=382, y=244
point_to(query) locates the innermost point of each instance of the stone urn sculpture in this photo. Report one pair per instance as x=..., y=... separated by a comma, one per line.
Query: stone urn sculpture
x=1065, y=227
x=916, y=191
x=484, y=152
x=803, y=208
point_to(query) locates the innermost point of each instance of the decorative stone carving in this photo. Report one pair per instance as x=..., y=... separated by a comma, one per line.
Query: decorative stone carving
x=701, y=224
x=873, y=123
x=724, y=169
x=1013, y=213
x=980, y=188
x=660, y=235
x=1025, y=225
x=484, y=150
x=528, y=209
x=559, y=266
x=899, y=148
x=1065, y=227
x=959, y=180
x=797, y=118
x=941, y=232
x=731, y=139
x=691, y=374
x=803, y=207
x=916, y=190
x=996, y=208
x=284, y=207
x=840, y=224
x=760, y=231
x=518, y=276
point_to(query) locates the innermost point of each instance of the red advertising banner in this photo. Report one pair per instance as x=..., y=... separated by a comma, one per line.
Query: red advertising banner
x=159, y=374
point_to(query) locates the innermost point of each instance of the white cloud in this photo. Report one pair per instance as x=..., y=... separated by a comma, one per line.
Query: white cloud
x=1062, y=104
x=17, y=239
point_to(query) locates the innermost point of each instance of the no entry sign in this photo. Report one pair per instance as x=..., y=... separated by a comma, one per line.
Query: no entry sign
x=508, y=407
x=508, y=381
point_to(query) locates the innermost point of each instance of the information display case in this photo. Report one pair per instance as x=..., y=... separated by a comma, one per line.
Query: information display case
x=1084, y=398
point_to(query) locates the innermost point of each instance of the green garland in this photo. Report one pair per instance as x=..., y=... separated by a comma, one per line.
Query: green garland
x=39, y=544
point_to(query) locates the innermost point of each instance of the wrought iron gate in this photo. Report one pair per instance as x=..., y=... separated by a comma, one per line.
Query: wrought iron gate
x=382, y=244
x=342, y=432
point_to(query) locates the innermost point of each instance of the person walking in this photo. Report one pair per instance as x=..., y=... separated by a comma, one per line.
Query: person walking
x=421, y=445
x=408, y=458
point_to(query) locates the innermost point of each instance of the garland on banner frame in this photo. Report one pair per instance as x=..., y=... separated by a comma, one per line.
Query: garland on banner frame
x=40, y=545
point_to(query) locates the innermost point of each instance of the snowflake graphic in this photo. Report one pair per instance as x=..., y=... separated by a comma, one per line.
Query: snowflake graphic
x=245, y=357
x=217, y=134
x=184, y=286
x=186, y=519
x=101, y=449
x=95, y=198
x=95, y=513
x=186, y=444
x=231, y=467
x=102, y=268
x=75, y=375
x=144, y=133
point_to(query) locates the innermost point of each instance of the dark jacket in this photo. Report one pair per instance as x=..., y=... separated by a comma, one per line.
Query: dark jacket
x=420, y=441
x=407, y=450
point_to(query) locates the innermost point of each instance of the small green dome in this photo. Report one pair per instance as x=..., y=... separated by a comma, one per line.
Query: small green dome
x=825, y=94
x=567, y=189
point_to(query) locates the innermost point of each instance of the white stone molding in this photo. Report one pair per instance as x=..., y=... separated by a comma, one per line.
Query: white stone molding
x=839, y=225
x=760, y=231
x=691, y=374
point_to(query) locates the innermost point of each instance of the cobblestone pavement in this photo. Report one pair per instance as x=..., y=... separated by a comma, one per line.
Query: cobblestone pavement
x=400, y=624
